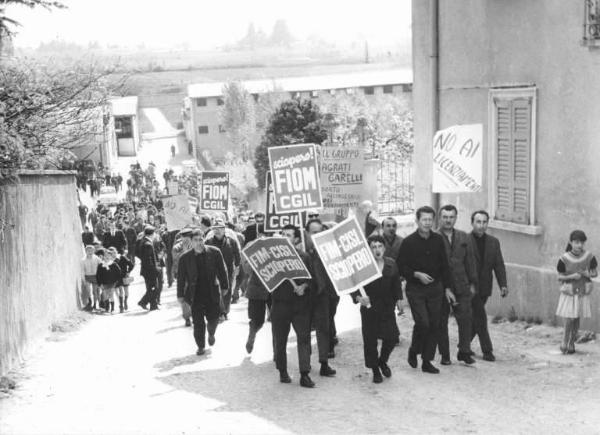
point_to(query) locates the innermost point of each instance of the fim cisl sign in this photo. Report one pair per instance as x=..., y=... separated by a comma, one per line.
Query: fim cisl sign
x=295, y=175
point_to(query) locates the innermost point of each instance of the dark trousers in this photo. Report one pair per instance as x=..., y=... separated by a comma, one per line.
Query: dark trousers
x=480, y=323
x=463, y=315
x=169, y=270
x=241, y=276
x=206, y=317
x=425, y=304
x=284, y=314
x=333, y=304
x=227, y=295
x=160, y=280
x=369, y=321
x=319, y=320
x=151, y=292
x=257, y=309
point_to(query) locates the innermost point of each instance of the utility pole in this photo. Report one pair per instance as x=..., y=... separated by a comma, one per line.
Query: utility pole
x=366, y=51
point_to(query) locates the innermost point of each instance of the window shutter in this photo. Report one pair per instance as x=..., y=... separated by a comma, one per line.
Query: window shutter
x=521, y=158
x=504, y=165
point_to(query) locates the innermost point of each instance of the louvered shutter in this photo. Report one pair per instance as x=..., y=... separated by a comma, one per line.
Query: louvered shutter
x=504, y=163
x=513, y=151
x=522, y=159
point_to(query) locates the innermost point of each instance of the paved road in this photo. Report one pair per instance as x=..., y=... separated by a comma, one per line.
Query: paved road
x=138, y=373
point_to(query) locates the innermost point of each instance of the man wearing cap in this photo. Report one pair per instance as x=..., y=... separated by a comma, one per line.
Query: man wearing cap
x=198, y=272
x=180, y=247
x=231, y=254
x=149, y=269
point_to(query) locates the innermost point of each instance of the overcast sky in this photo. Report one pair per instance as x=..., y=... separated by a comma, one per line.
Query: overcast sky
x=209, y=23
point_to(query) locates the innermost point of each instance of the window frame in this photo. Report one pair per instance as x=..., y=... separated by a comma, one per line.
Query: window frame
x=201, y=99
x=201, y=126
x=369, y=90
x=388, y=89
x=511, y=93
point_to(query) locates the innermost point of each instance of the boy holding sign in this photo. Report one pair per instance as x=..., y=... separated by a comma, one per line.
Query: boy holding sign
x=377, y=311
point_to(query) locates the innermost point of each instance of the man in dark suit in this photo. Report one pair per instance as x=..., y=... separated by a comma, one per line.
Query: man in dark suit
x=149, y=269
x=197, y=274
x=114, y=237
x=464, y=280
x=488, y=258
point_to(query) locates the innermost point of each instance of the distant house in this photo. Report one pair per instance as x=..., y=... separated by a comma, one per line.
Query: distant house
x=201, y=106
x=527, y=72
x=100, y=145
x=126, y=122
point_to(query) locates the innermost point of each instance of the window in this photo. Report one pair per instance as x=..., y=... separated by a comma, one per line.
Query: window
x=332, y=92
x=221, y=129
x=388, y=89
x=591, y=24
x=220, y=102
x=295, y=95
x=407, y=87
x=200, y=102
x=512, y=138
x=350, y=91
x=256, y=97
x=314, y=94
x=123, y=127
x=369, y=90
x=203, y=129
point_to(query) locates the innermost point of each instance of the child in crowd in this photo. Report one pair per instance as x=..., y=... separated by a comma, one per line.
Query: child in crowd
x=575, y=269
x=108, y=276
x=91, y=291
x=126, y=267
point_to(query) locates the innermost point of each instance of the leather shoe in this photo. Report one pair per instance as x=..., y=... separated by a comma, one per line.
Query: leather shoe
x=427, y=367
x=326, y=370
x=465, y=357
x=200, y=351
x=377, y=378
x=211, y=339
x=489, y=356
x=306, y=381
x=284, y=378
x=412, y=358
x=144, y=306
x=385, y=369
x=446, y=361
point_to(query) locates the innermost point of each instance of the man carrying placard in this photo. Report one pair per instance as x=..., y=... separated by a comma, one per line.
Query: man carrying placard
x=320, y=299
x=291, y=306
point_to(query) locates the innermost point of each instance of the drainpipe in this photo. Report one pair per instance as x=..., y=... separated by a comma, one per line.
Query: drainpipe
x=434, y=80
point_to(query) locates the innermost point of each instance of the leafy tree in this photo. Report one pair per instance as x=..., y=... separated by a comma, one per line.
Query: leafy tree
x=46, y=110
x=238, y=117
x=295, y=121
x=281, y=34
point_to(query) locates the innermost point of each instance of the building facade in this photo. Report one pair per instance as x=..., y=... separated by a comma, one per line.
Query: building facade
x=529, y=75
x=201, y=107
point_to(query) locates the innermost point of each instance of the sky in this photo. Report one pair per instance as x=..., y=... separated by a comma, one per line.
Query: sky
x=210, y=23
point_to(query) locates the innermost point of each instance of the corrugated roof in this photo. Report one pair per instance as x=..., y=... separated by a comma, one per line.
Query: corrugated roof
x=124, y=106
x=308, y=83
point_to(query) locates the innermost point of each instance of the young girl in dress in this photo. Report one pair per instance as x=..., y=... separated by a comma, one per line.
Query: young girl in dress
x=575, y=269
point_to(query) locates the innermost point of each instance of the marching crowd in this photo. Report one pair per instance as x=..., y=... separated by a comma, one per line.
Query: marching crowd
x=440, y=272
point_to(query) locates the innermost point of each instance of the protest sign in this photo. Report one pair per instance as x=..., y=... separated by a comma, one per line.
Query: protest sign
x=276, y=221
x=296, y=185
x=346, y=256
x=214, y=190
x=274, y=260
x=177, y=211
x=341, y=176
x=457, y=159
x=172, y=187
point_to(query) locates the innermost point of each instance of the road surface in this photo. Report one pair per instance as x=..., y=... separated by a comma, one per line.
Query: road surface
x=137, y=373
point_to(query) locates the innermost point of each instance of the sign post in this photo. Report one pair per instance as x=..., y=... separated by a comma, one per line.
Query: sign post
x=296, y=184
x=346, y=256
x=457, y=159
x=274, y=260
x=214, y=191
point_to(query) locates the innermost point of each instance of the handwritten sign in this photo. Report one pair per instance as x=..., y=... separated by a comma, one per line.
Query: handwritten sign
x=177, y=211
x=346, y=256
x=296, y=185
x=214, y=191
x=457, y=159
x=276, y=221
x=274, y=260
x=341, y=176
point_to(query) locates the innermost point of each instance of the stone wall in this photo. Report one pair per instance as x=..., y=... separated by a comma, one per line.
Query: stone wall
x=40, y=253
